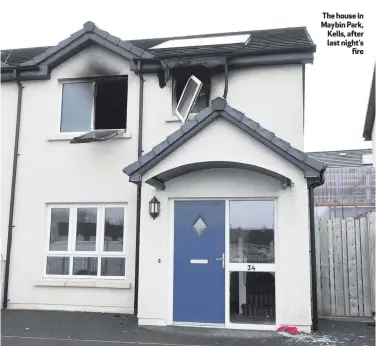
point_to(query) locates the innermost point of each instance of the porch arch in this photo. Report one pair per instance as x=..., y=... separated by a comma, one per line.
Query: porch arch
x=158, y=181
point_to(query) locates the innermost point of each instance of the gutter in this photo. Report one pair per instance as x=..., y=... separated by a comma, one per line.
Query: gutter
x=225, y=92
x=303, y=55
x=19, y=68
x=138, y=207
x=311, y=186
x=12, y=195
x=153, y=65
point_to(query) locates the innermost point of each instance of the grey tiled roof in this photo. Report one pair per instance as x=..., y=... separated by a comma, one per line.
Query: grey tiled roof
x=15, y=57
x=89, y=32
x=261, y=42
x=341, y=158
x=219, y=108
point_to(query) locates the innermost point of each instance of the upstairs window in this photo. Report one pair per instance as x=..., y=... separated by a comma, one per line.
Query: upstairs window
x=99, y=104
x=203, y=98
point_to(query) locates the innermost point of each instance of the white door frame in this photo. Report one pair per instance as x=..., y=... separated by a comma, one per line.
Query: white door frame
x=228, y=266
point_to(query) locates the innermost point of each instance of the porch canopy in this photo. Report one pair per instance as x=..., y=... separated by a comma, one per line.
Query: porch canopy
x=311, y=168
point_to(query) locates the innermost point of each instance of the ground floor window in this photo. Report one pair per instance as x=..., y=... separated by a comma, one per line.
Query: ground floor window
x=86, y=240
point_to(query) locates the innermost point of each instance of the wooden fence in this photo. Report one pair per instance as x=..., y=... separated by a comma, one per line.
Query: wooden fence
x=345, y=263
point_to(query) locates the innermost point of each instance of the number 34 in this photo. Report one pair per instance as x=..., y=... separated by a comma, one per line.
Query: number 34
x=251, y=267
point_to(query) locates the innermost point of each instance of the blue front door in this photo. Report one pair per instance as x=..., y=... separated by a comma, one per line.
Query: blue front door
x=199, y=276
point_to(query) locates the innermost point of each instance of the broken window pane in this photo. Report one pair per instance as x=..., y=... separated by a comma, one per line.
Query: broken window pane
x=77, y=107
x=59, y=229
x=188, y=95
x=86, y=233
x=111, y=104
x=202, y=100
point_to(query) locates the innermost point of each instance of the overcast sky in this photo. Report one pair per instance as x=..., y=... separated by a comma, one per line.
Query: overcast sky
x=338, y=83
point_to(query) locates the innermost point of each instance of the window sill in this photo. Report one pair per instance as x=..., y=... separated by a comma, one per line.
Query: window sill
x=68, y=136
x=172, y=119
x=175, y=119
x=87, y=283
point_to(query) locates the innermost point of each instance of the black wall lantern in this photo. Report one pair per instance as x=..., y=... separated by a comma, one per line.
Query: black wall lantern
x=154, y=207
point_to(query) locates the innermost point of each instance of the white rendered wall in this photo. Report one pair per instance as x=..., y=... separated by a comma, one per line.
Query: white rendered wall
x=53, y=171
x=270, y=95
x=223, y=141
x=9, y=95
x=374, y=144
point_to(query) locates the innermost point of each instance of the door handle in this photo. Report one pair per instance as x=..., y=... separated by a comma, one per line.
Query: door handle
x=222, y=259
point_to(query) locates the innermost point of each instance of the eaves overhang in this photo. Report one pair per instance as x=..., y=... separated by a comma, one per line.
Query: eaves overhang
x=154, y=65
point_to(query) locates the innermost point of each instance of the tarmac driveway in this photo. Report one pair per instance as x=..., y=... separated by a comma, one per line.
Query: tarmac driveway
x=52, y=328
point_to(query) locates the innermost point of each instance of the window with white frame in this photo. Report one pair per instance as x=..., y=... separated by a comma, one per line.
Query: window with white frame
x=180, y=81
x=86, y=240
x=95, y=104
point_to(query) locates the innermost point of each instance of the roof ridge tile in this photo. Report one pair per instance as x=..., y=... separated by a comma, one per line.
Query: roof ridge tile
x=251, y=124
x=296, y=153
x=234, y=112
x=173, y=137
x=160, y=147
x=189, y=125
x=100, y=32
x=89, y=26
x=201, y=116
x=265, y=133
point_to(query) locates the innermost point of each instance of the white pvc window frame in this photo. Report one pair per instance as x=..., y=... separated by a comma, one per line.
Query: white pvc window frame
x=93, y=82
x=92, y=119
x=183, y=117
x=98, y=253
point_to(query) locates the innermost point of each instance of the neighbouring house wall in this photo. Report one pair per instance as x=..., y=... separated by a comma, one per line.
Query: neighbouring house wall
x=374, y=144
x=9, y=95
x=51, y=170
x=270, y=95
x=223, y=141
x=374, y=165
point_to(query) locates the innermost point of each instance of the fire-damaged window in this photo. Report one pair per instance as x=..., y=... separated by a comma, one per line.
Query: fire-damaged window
x=180, y=81
x=97, y=106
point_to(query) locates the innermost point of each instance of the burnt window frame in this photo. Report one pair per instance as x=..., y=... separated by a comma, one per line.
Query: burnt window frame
x=206, y=87
x=93, y=81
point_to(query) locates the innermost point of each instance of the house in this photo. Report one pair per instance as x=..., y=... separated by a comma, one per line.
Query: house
x=349, y=188
x=160, y=177
x=369, y=130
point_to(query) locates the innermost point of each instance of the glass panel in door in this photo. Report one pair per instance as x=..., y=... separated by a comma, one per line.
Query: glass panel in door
x=251, y=262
